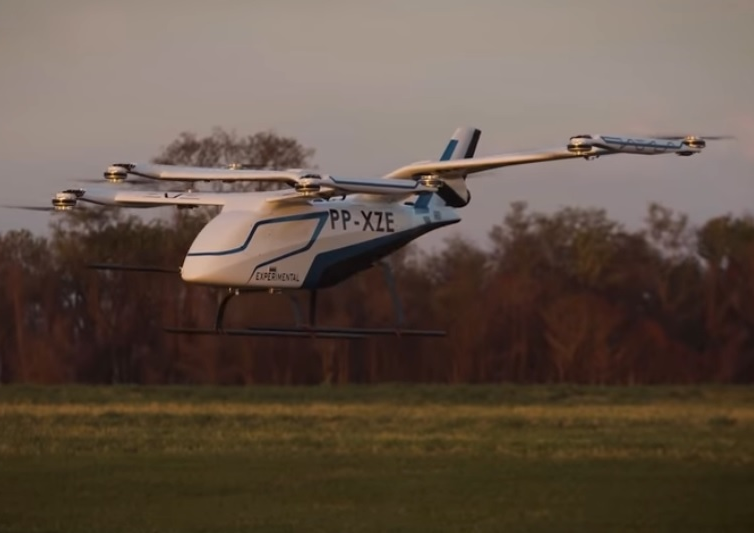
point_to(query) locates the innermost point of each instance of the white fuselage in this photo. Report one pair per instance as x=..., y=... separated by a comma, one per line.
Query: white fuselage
x=307, y=245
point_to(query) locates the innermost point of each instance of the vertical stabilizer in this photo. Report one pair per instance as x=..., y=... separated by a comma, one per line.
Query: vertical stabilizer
x=461, y=146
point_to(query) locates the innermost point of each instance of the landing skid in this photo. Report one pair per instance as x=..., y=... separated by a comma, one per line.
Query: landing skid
x=133, y=268
x=304, y=332
x=310, y=329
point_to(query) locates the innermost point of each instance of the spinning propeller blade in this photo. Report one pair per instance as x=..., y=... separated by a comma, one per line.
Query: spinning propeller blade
x=30, y=207
x=704, y=137
x=130, y=181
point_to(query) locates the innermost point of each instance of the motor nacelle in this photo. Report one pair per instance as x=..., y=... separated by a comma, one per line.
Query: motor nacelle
x=118, y=172
x=694, y=145
x=580, y=144
x=66, y=200
x=309, y=184
x=430, y=180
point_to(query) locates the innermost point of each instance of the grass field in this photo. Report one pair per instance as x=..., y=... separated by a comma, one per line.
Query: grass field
x=387, y=458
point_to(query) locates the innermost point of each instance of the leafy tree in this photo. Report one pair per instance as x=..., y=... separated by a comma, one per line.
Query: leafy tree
x=221, y=148
x=569, y=296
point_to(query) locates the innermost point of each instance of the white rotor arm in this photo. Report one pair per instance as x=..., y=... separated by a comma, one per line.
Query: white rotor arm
x=374, y=186
x=124, y=198
x=315, y=186
x=120, y=171
x=660, y=144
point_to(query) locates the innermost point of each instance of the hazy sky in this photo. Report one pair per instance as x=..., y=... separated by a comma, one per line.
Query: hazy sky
x=374, y=85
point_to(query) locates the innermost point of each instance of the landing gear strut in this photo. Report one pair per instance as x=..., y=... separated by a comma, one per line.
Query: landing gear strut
x=310, y=329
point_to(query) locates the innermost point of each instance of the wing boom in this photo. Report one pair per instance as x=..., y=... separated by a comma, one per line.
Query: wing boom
x=120, y=171
x=123, y=198
x=462, y=167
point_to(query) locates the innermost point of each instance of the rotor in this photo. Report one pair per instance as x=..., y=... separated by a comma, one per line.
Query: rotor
x=687, y=137
x=66, y=200
x=118, y=172
x=309, y=184
x=432, y=181
x=694, y=141
x=62, y=201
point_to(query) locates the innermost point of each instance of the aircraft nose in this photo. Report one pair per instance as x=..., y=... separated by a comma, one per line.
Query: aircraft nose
x=195, y=270
x=211, y=270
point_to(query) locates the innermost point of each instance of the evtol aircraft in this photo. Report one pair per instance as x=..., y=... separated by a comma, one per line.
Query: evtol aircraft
x=318, y=229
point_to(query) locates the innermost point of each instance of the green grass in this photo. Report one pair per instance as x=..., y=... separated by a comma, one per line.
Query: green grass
x=388, y=458
x=395, y=394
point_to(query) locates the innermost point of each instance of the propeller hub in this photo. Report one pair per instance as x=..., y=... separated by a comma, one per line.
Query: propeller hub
x=694, y=142
x=431, y=181
x=66, y=200
x=309, y=184
x=580, y=144
x=116, y=173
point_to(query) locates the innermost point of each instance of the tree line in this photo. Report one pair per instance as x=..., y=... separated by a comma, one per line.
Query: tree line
x=571, y=296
